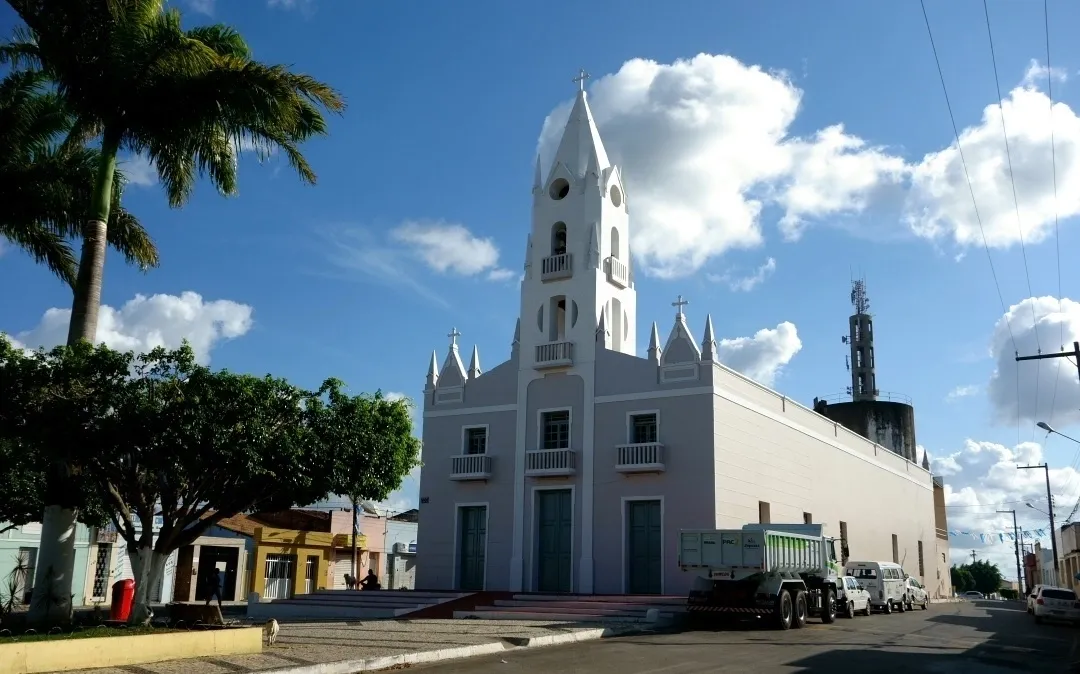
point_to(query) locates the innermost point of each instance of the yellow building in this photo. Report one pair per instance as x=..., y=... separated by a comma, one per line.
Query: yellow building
x=298, y=562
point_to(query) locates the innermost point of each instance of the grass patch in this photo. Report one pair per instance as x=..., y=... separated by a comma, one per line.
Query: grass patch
x=86, y=633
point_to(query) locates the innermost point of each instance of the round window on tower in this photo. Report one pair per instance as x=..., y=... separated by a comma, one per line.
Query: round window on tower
x=559, y=189
x=616, y=196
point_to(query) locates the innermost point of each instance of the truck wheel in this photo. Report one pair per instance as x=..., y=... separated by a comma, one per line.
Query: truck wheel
x=828, y=606
x=784, y=611
x=800, y=609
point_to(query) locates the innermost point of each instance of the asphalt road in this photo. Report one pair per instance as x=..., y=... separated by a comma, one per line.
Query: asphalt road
x=986, y=637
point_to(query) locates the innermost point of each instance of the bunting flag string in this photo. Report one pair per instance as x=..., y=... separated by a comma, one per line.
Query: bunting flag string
x=994, y=537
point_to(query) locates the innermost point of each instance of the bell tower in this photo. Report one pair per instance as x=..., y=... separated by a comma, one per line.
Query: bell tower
x=578, y=292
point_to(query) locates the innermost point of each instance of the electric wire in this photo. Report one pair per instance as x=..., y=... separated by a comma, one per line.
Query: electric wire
x=975, y=207
x=1019, y=227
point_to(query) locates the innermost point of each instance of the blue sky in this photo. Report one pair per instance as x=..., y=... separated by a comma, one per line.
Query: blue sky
x=732, y=166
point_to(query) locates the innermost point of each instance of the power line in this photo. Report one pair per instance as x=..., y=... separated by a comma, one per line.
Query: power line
x=1019, y=224
x=975, y=206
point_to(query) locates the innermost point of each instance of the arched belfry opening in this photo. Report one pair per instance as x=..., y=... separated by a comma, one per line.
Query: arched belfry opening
x=615, y=243
x=558, y=238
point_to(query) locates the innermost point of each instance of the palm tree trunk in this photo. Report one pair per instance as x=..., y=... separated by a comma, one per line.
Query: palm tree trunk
x=51, y=603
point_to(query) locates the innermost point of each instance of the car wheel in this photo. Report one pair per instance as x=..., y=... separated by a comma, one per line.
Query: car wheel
x=888, y=607
x=869, y=606
x=926, y=603
x=849, y=610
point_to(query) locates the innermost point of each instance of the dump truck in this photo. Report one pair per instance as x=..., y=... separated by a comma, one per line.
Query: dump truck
x=777, y=572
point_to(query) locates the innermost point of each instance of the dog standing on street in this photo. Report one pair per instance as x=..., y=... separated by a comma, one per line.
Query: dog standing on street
x=271, y=631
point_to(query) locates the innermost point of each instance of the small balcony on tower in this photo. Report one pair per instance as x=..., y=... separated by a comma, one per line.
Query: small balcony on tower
x=554, y=354
x=560, y=264
x=617, y=272
x=556, y=267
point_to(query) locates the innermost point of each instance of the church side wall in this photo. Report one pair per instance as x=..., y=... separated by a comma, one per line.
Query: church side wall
x=817, y=469
x=685, y=487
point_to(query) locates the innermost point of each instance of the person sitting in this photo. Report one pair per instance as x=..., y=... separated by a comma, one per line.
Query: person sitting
x=370, y=582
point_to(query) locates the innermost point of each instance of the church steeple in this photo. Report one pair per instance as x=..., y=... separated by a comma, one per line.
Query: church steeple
x=580, y=146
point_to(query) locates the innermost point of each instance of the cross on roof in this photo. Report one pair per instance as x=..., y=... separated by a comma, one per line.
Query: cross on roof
x=454, y=334
x=580, y=79
x=679, y=304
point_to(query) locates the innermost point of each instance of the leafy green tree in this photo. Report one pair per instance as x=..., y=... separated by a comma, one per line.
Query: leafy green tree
x=45, y=185
x=962, y=580
x=985, y=575
x=169, y=438
x=21, y=478
x=136, y=80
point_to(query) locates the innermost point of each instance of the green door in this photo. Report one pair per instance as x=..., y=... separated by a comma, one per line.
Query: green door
x=471, y=548
x=643, y=542
x=555, y=519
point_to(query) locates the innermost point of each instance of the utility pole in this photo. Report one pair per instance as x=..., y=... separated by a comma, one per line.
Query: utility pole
x=1016, y=536
x=355, y=530
x=1061, y=354
x=1050, y=501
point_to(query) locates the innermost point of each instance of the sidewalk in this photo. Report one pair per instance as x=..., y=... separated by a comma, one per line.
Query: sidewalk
x=345, y=648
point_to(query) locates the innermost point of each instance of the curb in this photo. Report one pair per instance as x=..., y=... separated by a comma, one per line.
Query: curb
x=443, y=654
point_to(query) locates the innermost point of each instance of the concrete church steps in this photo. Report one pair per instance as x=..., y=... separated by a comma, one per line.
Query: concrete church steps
x=350, y=604
x=581, y=608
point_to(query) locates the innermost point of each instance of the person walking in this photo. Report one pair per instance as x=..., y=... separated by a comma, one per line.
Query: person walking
x=213, y=585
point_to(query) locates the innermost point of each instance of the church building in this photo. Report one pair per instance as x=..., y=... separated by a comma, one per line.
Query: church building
x=572, y=466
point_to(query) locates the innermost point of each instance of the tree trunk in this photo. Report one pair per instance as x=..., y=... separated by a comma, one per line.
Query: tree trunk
x=56, y=556
x=147, y=565
x=50, y=601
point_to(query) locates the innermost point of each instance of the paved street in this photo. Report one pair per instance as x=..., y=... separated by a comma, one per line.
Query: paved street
x=988, y=637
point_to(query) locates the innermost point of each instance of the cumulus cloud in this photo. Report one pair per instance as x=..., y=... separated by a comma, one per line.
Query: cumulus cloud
x=746, y=283
x=446, y=248
x=961, y=392
x=139, y=171
x=1037, y=73
x=145, y=322
x=202, y=6
x=1032, y=402
x=981, y=478
x=940, y=205
x=705, y=145
x=451, y=248
x=763, y=356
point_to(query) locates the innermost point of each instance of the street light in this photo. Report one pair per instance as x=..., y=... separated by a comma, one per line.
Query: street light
x=1046, y=427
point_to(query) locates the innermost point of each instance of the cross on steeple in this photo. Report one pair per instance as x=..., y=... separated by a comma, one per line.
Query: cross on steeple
x=580, y=79
x=454, y=334
x=679, y=304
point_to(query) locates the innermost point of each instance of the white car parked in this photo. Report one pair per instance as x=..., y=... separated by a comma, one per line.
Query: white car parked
x=1032, y=596
x=915, y=594
x=857, y=599
x=1056, y=603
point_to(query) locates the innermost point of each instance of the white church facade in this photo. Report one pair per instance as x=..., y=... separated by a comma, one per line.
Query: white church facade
x=572, y=466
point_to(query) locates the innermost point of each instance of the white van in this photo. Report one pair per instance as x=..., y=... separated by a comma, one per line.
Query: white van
x=883, y=580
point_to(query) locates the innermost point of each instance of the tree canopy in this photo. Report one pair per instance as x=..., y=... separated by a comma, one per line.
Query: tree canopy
x=157, y=434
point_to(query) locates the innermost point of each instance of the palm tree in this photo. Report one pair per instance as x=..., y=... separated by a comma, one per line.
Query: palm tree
x=45, y=187
x=184, y=99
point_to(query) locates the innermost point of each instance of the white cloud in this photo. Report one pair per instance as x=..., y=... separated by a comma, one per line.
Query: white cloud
x=450, y=248
x=705, y=145
x=139, y=171
x=1037, y=377
x=145, y=322
x=446, y=248
x=746, y=283
x=940, y=206
x=982, y=478
x=202, y=6
x=1037, y=73
x=962, y=392
x=762, y=356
